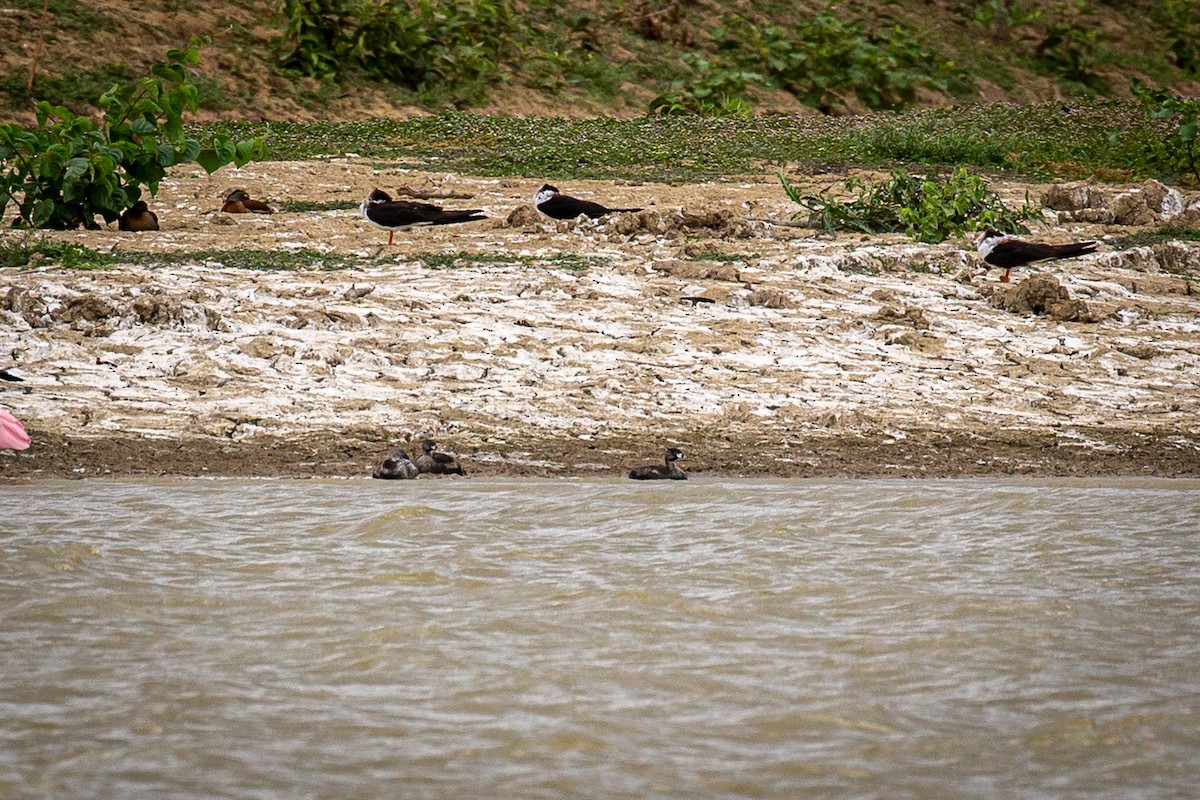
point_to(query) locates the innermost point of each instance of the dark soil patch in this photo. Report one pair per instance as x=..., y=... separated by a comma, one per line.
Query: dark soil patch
x=920, y=454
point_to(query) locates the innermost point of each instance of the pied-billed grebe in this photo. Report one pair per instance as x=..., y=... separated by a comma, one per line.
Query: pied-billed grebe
x=1003, y=251
x=138, y=217
x=382, y=211
x=396, y=467
x=437, y=463
x=669, y=471
x=556, y=205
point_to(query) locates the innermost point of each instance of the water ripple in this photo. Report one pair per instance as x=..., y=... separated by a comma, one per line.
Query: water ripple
x=874, y=639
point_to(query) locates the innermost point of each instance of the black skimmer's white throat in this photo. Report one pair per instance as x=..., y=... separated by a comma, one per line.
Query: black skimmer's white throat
x=1003, y=251
x=382, y=211
x=556, y=205
x=138, y=217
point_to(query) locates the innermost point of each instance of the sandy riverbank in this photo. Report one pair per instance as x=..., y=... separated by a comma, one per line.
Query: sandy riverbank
x=551, y=348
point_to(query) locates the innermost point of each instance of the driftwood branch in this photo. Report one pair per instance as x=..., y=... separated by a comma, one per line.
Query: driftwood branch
x=437, y=192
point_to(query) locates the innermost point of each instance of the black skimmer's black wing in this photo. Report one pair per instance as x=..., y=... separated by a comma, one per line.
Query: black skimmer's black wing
x=5, y=375
x=556, y=205
x=382, y=211
x=1005, y=252
x=138, y=217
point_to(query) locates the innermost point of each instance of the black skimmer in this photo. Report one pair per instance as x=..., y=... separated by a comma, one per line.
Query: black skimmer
x=382, y=211
x=669, y=471
x=556, y=205
x=5, y=375
x=397, y=466
x=1001, y=250
x=138, y=217
x=238, y=202
x=437, y=463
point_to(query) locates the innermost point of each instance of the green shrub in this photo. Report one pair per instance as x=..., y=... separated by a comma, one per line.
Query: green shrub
x=825, y=58
x=1181, y=23
x=1069, y=52
x=69, y=168
x=74, y=87
x=712, y=91
x=1005, y=16
x=318, y=36
x=452, y=48
x=1174, y=156
x=924, y=208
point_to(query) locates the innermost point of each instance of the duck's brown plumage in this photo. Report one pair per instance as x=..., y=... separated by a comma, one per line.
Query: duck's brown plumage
x=239, y=202
x=138, y=217
x=397, y=466
x=437, y=463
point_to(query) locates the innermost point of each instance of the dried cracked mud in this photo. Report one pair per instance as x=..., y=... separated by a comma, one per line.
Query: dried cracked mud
x=532, y=347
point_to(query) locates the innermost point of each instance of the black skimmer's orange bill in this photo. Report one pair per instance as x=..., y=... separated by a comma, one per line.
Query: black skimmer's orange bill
x=556, y=205
x=1003, y=251
x=382, y=211
x=397, y=466
x=669, y=471
x=437, y=463
x=238, y=202
x=138, y=217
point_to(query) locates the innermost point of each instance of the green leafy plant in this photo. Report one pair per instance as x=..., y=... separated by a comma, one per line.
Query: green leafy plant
x=1005, y=16
x=316, y=38
x=453, y=48
x=69, y=168
x=1069, y=52
x=712, y=91
x=924, y=208
x=1181, y=27
x=1175, y=154
x=21, y=251
x=74, y=87
x=827, y=58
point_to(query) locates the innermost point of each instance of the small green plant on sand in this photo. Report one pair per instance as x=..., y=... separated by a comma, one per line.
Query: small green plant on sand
x=69, y=169
x=924, y=207
x=20, y=251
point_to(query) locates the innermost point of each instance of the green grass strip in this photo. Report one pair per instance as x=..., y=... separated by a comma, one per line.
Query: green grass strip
x=1103, y=139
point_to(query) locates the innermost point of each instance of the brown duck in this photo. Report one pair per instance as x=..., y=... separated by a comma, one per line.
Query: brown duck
x=138, y=217
x=238, y=202
x=437, y=463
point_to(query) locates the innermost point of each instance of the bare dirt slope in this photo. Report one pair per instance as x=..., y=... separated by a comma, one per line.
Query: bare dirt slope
x=242, y=78
x=853, y=356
